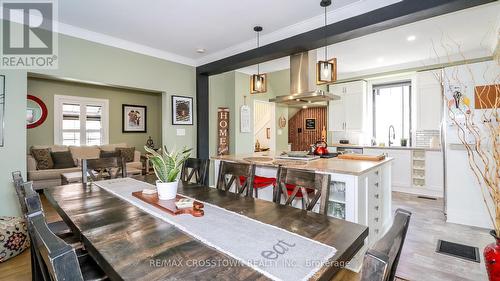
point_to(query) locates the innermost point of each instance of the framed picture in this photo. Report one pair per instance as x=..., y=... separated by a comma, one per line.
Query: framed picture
x=134, y=118
x=182, y=110
x=2, y=108
x=310, y=123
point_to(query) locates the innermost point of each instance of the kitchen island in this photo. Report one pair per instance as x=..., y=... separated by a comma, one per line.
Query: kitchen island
x=359, y=191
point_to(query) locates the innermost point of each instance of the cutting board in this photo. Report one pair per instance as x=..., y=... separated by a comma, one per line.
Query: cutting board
x=169, y=205
x=352, y=156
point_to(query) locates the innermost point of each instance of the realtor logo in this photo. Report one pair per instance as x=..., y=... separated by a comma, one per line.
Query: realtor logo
x=28, y=40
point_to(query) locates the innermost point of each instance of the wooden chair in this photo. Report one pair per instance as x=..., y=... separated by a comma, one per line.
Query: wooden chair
x=56, y=260
x=305, y=185
x=103, y=169
x=197, y=168
x=381, y=261
x=230, y=173
x=58, y=227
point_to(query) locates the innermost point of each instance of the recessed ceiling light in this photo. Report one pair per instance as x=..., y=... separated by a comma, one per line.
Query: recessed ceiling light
x=380, y=59
x=411, y=38
x=200, y=50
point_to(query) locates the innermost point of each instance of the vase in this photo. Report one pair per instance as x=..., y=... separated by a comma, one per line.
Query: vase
x=492, y=258
x=166, y=190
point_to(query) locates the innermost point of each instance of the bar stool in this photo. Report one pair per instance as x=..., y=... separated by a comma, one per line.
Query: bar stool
x=259, y=183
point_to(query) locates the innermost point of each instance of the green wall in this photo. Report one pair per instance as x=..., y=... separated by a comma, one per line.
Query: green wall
x=89, y=61
x=46, y=89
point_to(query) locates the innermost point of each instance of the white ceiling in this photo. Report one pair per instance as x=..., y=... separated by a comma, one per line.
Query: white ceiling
x=174, y=29
x=475, y=30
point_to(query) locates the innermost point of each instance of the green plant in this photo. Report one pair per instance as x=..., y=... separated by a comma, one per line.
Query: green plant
x=167, y=165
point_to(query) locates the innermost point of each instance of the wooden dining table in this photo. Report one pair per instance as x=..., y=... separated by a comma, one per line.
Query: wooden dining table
x=130, y=244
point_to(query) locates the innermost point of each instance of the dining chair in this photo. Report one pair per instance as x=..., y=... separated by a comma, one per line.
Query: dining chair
x=381, y=260
x=230, y=173
x=103, y=169
x=197, y=168
x=55, y=259
x=307, y=186
x=59, y=227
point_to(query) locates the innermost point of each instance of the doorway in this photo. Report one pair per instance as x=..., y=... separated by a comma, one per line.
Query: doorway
x=264, y=125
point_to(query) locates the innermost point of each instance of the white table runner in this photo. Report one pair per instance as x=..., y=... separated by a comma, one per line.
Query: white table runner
x=274, y=252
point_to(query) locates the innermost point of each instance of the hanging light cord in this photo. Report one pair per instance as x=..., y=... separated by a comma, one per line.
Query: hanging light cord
x=326, y=47
x=258, y=44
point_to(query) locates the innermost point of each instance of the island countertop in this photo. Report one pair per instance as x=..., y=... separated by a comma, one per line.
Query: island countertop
x=323, y=165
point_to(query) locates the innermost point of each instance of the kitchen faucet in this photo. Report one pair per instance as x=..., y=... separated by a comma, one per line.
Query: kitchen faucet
x=393, y=134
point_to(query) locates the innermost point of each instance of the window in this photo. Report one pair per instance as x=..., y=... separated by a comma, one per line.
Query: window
x=80, y=121
x=392, y=107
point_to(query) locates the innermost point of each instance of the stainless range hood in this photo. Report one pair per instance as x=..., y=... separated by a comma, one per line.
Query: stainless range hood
x=303, y=88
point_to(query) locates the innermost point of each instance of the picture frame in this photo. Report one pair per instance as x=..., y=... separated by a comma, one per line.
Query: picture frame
x=2, y=109
x=310, y=124
x=134, y=118
x=182, y=110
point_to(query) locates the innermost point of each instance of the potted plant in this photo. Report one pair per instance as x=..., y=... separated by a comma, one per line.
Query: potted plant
x=167, y=166
x=404, y=142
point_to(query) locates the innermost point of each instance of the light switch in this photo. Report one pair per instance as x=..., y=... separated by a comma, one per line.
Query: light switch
x=181, y=132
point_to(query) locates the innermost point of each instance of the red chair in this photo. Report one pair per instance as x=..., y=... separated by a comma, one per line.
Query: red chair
x=259, y=182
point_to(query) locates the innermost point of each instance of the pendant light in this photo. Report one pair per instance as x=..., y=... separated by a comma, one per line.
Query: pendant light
x=326, y=70
x=258, y=81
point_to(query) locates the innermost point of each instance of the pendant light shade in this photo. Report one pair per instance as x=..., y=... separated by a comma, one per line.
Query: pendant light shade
x=326, y=70
x=258, y=82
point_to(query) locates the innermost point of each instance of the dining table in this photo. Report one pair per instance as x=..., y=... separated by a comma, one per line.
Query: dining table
x=129, y=243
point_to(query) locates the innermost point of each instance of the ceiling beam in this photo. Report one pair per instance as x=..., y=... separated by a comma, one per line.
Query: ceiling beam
x=401, y=13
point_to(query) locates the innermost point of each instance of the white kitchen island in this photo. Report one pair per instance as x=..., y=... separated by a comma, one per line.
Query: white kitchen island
x=359, y=191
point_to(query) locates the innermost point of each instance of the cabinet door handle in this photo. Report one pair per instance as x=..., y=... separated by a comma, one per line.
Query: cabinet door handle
x=376, y=184
x=376, y=230
x=376, y=173
x=376, y=196
x=376, y=208
x=376, y=219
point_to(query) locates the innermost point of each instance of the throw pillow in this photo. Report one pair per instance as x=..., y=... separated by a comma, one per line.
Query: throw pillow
x=62, y=160
x=127, y=153
x=43, y=158
x=108, y=154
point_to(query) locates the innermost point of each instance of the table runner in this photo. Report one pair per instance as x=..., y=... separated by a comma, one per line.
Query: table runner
x=276, y=253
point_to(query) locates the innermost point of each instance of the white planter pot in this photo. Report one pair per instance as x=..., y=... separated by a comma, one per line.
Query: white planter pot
x=166, y=190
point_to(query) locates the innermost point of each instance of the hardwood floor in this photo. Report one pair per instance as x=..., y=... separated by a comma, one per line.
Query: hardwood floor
x=419, y=261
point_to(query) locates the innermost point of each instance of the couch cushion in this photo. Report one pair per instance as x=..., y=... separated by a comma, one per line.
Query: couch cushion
x=43, y=158
x=50, y=174
x=53, y=148
x=108, y=154
x=84, y=152
x=112, y=147
x=127, y=153
x=62, y=160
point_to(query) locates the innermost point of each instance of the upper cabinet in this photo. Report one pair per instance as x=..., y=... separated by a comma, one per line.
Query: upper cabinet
x=429, y=100
x=348, y=112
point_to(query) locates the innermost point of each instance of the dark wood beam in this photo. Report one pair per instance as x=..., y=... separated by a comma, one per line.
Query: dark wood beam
x=401, y=13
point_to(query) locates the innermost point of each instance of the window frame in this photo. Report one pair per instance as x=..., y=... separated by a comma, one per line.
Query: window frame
x=375, y=88
x=59, y=100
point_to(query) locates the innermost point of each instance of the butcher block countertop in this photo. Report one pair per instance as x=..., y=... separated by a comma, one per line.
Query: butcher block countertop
x=331, y=165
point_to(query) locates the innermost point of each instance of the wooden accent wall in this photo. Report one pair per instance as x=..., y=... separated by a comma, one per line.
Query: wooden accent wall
x=302, y=141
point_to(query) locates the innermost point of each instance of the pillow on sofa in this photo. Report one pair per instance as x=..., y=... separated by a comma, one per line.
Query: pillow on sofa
x=43, y=158
x=108, y=154
x=62, y=160
x=127, y=153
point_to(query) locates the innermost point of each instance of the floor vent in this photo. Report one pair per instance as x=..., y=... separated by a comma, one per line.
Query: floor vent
x=426, y=197
x=458, y=250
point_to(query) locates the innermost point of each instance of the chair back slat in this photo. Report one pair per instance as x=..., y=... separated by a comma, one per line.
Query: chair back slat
x=381, y=261
x=17, y=177
x=55, y=258
x=310, y=185
x=229, y=174
x=103, y=168
x=195, y=169
x=32, y=201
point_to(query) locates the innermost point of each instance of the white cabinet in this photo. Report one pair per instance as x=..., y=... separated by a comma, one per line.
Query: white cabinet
x=429, y=105
x=401, y=165
x=347, y=114
x=434, y=170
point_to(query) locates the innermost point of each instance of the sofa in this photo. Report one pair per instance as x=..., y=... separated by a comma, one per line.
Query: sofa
x=52, y=177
